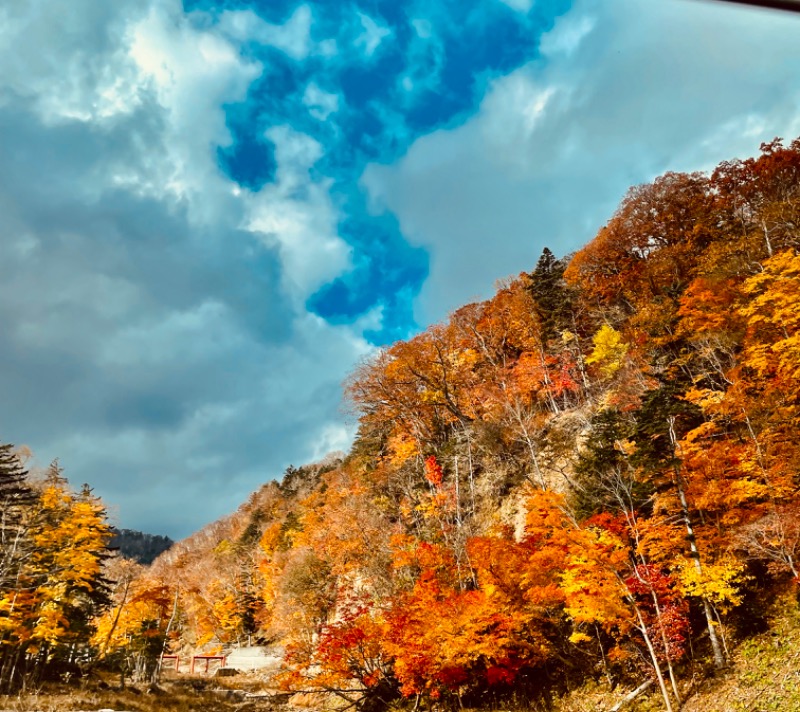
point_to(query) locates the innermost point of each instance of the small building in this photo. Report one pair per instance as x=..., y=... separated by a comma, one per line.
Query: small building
x=255, y=657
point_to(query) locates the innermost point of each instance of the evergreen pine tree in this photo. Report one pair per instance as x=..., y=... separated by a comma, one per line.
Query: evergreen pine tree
x=604, y=478
x=554, y=300
x=15, y=496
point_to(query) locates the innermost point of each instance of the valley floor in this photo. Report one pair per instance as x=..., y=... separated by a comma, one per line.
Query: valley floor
x=184, y=695
x=764, y=677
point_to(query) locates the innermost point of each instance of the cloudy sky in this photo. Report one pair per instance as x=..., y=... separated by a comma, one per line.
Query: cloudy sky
x=211, y=210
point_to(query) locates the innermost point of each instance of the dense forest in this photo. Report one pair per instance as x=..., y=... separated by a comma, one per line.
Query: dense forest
x=139, y=546
x=593, y=474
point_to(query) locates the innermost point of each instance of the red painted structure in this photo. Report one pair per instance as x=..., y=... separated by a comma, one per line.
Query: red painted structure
x=170, y=657
x=208, y=659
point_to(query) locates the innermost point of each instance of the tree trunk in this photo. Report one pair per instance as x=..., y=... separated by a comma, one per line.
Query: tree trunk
x=694, y=553
x=665, y=643
x=650, y=649
x=719, y=655
x=157, y=670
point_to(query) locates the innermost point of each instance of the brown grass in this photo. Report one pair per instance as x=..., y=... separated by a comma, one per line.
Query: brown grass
x=187, y=694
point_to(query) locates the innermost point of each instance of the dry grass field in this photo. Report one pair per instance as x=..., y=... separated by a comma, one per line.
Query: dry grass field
x=186, y=694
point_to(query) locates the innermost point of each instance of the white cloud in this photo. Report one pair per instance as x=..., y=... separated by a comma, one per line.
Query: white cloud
x=372, y=35
x=328, y=48
x=425, y=58
x=423, y=28
x=567, y=35
x=193, y=73
x=511, y=113
x=625, y=92
x=519, y=5
x=293, y=37
x=38, y=43
x=295, y=213
x=321, y=104
x=156, y=338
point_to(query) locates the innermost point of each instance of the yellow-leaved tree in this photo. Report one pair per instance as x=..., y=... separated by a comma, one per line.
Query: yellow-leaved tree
x=58, y=585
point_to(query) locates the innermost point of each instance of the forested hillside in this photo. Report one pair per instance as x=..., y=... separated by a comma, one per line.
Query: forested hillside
x=591, y=475
x=139, y=546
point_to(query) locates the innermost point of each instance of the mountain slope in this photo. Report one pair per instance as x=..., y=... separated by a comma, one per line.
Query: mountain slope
x=593, y=475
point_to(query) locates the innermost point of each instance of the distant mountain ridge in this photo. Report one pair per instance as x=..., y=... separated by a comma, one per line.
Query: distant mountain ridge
x=140, y=546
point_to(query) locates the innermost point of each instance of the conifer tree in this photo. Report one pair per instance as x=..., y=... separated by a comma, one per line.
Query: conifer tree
x=15, y=496
x=553, y=299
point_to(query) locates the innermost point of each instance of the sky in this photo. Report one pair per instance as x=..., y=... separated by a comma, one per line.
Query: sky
x=212, y=210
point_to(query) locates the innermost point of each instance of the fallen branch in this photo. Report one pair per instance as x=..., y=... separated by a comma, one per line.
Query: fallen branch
x=631, y=696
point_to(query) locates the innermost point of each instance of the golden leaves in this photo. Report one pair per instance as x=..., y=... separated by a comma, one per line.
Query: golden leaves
x=609, y=351
x=719, y=582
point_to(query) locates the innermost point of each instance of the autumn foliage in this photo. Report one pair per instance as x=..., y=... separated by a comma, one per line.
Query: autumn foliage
x=589, y=474
x=51, y=571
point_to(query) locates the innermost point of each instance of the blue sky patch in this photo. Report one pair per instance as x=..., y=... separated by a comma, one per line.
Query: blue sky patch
x=398, y=71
